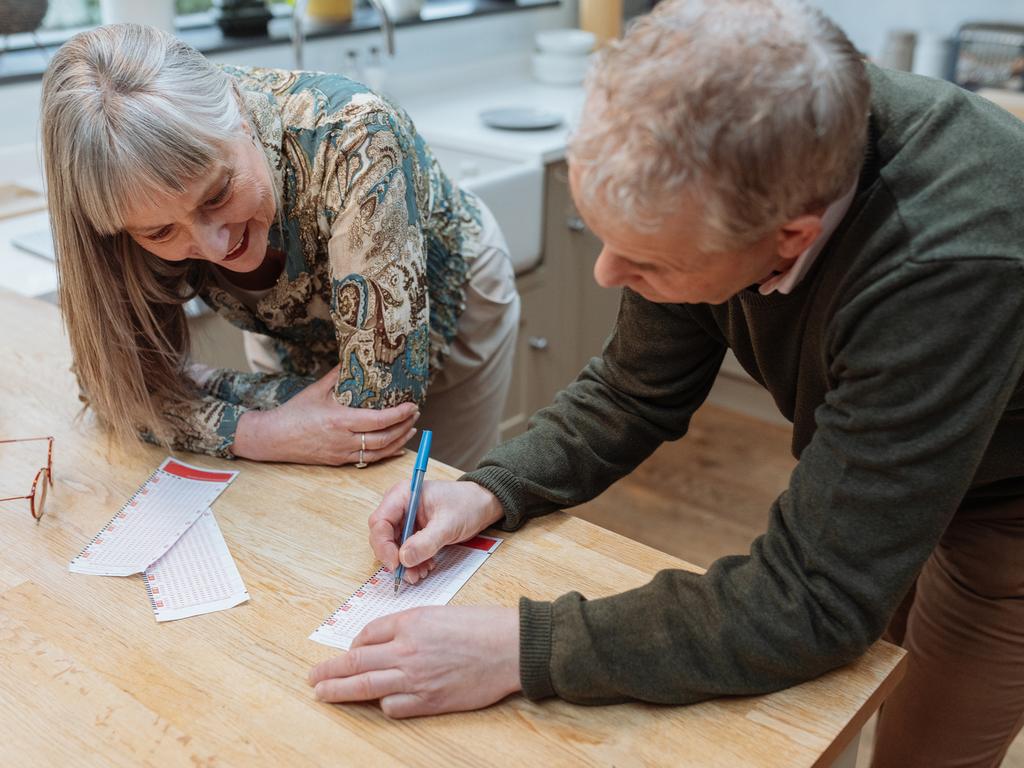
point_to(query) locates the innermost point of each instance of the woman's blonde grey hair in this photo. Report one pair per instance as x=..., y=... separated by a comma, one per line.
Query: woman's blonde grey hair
x=758, y=109
x=128, y=113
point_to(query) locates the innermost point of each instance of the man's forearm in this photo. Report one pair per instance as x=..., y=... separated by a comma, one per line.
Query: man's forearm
x=654, y=373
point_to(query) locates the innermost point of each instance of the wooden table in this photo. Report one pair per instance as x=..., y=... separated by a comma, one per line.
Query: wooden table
x=1011, y=101
x=90, y=678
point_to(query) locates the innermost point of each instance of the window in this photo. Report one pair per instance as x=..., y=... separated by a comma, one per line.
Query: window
x=71, y=14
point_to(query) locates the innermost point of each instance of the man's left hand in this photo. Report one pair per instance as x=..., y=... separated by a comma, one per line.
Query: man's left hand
x=426, y=661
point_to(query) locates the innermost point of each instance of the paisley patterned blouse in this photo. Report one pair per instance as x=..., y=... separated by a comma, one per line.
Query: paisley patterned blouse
x=377, y=243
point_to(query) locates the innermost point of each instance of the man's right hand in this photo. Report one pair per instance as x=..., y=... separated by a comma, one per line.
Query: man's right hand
x=449, y=512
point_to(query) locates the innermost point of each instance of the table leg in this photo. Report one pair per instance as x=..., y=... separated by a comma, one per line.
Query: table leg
x=848, y=759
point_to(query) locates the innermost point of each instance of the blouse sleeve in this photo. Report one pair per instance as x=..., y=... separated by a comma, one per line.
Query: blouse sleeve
x=377, y=267
x=207, y=424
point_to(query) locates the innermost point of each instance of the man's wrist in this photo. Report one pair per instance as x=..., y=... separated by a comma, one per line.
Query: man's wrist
x=506, y=488
x=492, y=511
x=513, y=682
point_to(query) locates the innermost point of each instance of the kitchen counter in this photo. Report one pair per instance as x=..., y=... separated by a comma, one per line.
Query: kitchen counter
x=444, y=105
x=26, y=64
x=453, y=116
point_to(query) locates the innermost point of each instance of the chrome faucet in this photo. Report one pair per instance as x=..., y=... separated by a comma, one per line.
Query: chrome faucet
x=387, y=27
x=298, y=32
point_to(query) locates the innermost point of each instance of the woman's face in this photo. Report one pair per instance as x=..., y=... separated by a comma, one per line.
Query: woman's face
x=223, y=217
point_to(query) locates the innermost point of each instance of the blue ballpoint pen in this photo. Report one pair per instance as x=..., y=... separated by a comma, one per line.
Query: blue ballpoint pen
x=422, y=456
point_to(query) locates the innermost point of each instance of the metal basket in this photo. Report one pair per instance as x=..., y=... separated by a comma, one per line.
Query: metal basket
x=21, y=15
x=990, y=56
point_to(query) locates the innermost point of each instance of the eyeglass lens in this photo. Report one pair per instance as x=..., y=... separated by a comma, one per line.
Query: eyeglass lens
x=39, y=493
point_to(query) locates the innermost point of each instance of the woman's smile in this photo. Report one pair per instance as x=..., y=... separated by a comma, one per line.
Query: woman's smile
x=239, y=248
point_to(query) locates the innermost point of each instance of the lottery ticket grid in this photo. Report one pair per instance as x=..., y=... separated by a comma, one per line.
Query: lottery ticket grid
x=376, y=597
x=152, y=520
x=196, y=576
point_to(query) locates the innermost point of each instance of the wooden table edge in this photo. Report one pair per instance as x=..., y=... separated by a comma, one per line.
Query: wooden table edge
x=863, y=714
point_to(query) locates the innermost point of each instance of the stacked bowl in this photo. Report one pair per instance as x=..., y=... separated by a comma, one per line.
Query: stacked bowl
x=562, y=56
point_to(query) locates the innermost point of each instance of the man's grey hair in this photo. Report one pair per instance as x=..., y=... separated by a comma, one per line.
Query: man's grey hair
x=755, y=109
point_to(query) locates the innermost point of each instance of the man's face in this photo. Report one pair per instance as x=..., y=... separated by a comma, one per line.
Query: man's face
x=667, y=266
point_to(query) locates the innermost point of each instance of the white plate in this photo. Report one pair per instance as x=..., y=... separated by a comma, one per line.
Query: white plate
x=520, y=119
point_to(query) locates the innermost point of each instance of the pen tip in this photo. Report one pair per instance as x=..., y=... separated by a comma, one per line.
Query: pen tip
x=396, y=587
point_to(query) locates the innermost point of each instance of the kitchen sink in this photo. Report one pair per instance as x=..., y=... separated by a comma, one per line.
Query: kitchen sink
x=512, y=187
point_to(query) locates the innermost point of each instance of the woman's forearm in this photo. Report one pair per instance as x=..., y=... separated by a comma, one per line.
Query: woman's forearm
x=313, y=428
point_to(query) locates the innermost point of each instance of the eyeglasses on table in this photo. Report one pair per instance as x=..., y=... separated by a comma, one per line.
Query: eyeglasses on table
x=42, y=482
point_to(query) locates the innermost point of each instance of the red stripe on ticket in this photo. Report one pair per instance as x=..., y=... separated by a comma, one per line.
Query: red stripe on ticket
x=483, y=543
x=190, y=473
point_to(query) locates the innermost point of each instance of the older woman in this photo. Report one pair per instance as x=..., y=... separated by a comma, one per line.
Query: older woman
x=306, y=210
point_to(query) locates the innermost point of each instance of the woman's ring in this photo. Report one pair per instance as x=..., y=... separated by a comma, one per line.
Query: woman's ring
x=362, y=450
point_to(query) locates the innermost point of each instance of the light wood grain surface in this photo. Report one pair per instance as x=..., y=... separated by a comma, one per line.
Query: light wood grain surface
x=1011, y=101
x=90, y=678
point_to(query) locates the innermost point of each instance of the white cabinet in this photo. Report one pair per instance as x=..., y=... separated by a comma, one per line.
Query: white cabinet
x=566, y=316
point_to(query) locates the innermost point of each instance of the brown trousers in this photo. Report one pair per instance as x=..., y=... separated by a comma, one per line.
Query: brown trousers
x=962, y=700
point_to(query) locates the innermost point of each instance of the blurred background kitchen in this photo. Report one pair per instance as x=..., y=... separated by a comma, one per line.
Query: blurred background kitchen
x=495, y=88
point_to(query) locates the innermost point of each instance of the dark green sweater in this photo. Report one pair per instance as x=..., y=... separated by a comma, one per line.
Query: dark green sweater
x=899, y=359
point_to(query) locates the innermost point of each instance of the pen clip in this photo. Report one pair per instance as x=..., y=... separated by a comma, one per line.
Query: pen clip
x=423, y=452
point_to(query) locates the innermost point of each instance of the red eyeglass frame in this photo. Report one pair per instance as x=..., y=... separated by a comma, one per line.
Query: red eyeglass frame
x=48, y=469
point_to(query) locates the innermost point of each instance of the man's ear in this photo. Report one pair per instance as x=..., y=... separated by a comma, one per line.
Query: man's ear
x=797, y=235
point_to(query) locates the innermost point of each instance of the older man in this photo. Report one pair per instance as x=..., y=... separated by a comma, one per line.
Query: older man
x=855, y=237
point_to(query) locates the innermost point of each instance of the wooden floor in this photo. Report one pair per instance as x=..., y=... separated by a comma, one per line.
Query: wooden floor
x=708, y=495
x=704, y=496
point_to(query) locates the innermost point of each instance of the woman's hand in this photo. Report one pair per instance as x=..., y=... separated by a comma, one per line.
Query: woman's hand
x=426, y=661
x=312, y=428
x=449, y=512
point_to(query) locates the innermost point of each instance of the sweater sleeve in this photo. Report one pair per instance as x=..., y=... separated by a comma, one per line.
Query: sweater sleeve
x=654, y=372
x=924, y=363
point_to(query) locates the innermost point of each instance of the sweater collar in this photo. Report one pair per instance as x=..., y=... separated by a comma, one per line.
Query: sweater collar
x=870, y=170
x=785, y=282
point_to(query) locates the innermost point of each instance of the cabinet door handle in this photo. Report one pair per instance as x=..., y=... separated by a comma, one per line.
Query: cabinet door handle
x=537, y=342
x=575, y=224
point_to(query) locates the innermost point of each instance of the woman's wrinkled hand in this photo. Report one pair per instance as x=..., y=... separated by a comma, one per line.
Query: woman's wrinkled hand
x=313, y=428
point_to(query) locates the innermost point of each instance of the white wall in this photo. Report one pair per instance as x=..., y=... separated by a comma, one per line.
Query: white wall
x=19, y=106
x=867, y=21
